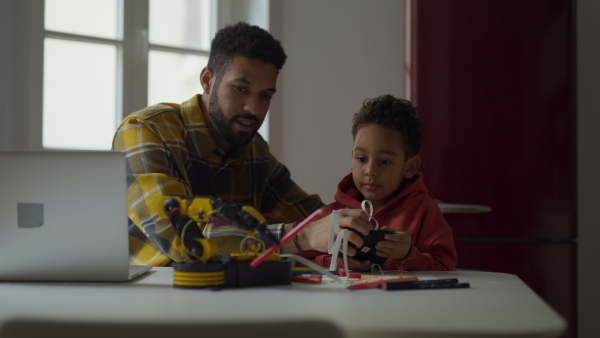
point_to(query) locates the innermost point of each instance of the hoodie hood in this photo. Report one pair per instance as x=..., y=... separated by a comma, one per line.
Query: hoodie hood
x=411, y=210
x=350, y=197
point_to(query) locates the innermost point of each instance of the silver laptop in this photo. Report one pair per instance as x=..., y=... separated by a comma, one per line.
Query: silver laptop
x=63, y=217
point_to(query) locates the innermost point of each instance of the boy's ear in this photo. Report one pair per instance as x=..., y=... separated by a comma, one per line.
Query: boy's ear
x=207, y=77
x=412, y=166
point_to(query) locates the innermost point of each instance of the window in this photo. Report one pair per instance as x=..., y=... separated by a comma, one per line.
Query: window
x=64, y=62
x=178, y=48
x=104, y=59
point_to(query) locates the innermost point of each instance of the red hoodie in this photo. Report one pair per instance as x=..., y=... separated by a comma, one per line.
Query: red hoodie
x=412, y=211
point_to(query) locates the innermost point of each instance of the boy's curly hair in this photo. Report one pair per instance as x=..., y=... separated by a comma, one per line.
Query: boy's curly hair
x=245, y=40
x=397, y=113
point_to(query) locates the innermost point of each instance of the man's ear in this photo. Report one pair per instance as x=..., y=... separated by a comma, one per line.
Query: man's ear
x=207, y=77
x=412, y=166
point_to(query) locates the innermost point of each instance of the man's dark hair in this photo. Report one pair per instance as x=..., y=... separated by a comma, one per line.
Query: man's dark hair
x=397, y=113
x=245, y=40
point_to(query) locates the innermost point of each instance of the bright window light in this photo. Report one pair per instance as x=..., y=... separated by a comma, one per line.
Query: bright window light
x=79, y=95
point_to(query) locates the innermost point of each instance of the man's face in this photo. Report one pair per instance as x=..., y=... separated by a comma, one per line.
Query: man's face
x=239, y=102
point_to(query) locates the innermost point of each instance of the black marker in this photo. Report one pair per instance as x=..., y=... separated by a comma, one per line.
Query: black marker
x=451, y=283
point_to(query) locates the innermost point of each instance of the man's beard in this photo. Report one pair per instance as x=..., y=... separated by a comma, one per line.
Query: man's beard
x=224, y=127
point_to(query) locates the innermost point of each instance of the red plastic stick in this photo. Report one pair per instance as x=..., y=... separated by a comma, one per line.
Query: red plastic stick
x=286, y=238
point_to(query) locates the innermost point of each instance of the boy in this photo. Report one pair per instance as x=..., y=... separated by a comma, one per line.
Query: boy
x=387, y=139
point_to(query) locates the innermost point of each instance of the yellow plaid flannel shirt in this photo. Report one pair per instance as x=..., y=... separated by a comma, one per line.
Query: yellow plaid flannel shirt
x=169, y=151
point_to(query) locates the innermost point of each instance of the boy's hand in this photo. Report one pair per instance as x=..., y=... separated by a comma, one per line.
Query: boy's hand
x=358, y=220
x=396, y=245
x=356, y=265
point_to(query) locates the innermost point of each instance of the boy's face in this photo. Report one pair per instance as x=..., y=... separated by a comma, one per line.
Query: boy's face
x=379, y=164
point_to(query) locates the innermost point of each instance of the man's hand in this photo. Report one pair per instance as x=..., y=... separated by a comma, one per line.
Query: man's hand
x=315, y=235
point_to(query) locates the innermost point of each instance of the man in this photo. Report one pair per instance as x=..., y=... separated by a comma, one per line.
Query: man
x=209, y=145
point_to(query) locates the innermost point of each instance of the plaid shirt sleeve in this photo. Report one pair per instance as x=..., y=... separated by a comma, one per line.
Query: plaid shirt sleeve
x=154, y=150
x=283, y=200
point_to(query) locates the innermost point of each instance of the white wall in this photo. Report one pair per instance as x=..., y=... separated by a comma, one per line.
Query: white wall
x=340, y=52
x=255, y=12
x=588, y=138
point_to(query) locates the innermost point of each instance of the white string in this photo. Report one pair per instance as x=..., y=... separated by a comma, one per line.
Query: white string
x=334, y=247
x=311, y=265
x=363, y=205
x=334, y=228
x=342, y=236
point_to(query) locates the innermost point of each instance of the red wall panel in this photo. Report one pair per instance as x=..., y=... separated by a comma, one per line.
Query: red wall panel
x=495, y=82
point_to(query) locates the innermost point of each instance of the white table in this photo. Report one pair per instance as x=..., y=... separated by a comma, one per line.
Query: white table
x=495, y=305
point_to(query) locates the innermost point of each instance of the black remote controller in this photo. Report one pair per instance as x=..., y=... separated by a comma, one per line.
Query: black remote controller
x=368, y=251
